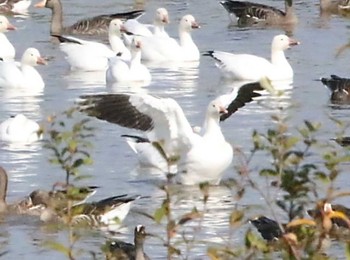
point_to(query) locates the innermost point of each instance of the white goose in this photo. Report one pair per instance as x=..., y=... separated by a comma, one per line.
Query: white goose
x=156, y=48
x=199, y=158
x=253, y=68
x=120, y=70
x=14, y=6
x=161, y=18
x=19, y=129
x=93, y=56
x=7, y=51
x=23, y=74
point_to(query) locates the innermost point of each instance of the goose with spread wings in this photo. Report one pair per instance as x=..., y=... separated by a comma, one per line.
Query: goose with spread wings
x=199, y=158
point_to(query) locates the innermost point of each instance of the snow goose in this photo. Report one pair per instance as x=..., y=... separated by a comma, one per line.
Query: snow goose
x=19, y=129
x=161, y=18
x=117, y=249
x=253, y=68
x=120, y=70
x=249, y=13
x=90, y=55
x=157, y=48
x=7, y=51
x=93, y=26
x=339, y=87
x=23, y=74
x=199, y=158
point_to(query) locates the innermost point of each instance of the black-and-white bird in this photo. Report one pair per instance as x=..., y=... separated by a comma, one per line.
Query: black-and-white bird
x=199, y=158
x=268, y=228
x=249, y=13
x=339, y=87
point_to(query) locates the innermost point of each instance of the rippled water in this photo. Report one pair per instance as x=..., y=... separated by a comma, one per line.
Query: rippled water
x=193, y=86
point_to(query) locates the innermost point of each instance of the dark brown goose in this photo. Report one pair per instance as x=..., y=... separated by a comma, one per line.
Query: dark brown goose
x=249, y=13
x=119, y=250
x=339, y=87
x=91, y=26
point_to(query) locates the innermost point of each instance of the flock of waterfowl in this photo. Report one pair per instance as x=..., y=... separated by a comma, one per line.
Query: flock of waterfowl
x=171, y=143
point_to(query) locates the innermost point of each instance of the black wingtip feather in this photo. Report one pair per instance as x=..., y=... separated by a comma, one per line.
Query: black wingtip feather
x=63, y=39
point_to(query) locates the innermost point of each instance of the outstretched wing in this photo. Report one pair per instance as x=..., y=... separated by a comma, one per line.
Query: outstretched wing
x=241, y=96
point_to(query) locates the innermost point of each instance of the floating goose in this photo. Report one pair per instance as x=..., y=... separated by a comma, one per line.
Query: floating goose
x=117, y=249
x=339, y=87
x=93, y=56
x=249, y=13
x=23, y=74
x=253, y=68
x=108, y=212
x=161, y=18
x=120, y=70
x=268, y=228
x=158, y=48
x=92, y=26
x=19, y=129
x=7, y=51
x=199, y=158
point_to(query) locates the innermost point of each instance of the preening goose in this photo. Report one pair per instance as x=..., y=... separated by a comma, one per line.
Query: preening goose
x=161, y=18
x=199, y=158
x=19, y=129
x=249, y=13
x=339, y=87
x=7, y=51
x=116, y=249
x=91, y=55
x=120, y=70
x=23, y=74
x=92, y=26
x=158, y=48
x=253, y=68
x=14, y=7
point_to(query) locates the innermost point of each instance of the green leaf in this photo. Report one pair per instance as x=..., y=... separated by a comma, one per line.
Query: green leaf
x=159, y=214
x=57, y=247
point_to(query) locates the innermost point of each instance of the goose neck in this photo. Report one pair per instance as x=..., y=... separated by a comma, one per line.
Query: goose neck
x=3, y=189
x=56, y=19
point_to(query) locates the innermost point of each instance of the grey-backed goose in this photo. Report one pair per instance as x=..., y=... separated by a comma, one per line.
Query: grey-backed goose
x=339, y=87
x=249, y=13
x=91, y=26
x=118, y=250
x=199, y=158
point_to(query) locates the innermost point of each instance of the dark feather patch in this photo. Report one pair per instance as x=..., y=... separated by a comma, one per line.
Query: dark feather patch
x=245, y=94
x=117, y=109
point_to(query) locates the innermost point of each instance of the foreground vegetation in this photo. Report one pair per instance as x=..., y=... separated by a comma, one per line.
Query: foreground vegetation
x=300, y=174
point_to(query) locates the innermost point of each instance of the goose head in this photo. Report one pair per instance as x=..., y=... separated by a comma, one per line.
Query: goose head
x=46, y=3
x=32, y=57
x=136, y=44
x=139, y=235
x=115, y=26
x=216, y=108
x=188, y=23
x=282, y=42
x=162, y=16
x=5, y=25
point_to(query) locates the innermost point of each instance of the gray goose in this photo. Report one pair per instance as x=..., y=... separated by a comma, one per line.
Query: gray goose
x=120, y=250
x=339, y=87
x=97, y=25
x=249, y=13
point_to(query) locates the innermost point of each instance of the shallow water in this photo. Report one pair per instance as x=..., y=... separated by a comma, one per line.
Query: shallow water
x=193, y=86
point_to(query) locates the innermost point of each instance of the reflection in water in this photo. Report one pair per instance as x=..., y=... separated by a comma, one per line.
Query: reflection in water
x=85, y=79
